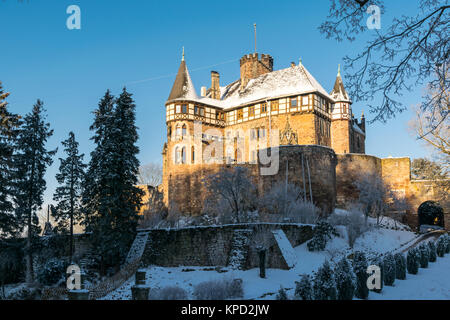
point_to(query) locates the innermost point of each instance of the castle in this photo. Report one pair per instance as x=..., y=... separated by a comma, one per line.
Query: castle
x=287, y=109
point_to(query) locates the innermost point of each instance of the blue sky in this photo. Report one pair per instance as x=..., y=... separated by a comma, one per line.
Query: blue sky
x=123, y=42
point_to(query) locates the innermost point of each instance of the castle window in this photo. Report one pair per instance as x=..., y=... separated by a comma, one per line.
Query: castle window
x=184, y=108
x=202, y=111
x=294, y=102
x=251, y=111
x=183, y=155
x=274, y=105
x=263, y=107
x=184, y=130
x=169, y=130
x=240, y=114
x=177, y=108
x=305, y=101
x=177, y=155
x=192, y=154
x=195, y=110
x=178, y=131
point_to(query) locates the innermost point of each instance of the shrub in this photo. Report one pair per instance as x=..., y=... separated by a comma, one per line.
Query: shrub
x=25, y=294
x=303, y=289
x=345, y=280
x=356, y=225
x=360, y=269
x=282, y=295
x=322, y=233
x=447, y=247
x=413, y=261
x=424, y=253
x=432, y=249
x=51, y=272
x=400, y=266
x=389, y=269
x=324, y=283
x=168, y=293
x=379, y=262
x=441, y=245
x=219, y=289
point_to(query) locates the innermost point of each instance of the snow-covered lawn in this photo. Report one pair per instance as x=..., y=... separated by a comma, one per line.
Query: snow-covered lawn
x=375, y=241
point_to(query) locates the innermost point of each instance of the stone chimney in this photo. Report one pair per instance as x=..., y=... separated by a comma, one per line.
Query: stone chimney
x=252, y=67
x=215, y=85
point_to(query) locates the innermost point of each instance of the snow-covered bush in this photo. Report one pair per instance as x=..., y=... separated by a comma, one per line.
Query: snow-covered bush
x=324, y=283
x=282, y=295
x=168, y=293
x=413, y=261
x=424, y=255
x=356, y=225
x=25, y=294
x=219, y=289
x=51, y=272
x=389, y=269
x=432, y=249
x=345, y=280
x=360, y=269
x=400, y=266
x=378, y=261
x=322, y=233
x=303, y=288
x=447, y=240
x=441, y=246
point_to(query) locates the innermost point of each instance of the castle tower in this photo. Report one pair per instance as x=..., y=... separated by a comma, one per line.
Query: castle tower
x=252, y=67
x=183, y=88
x=341, y=117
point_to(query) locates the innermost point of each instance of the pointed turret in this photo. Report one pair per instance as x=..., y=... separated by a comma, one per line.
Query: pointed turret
x=339, y=93
x=183, y=88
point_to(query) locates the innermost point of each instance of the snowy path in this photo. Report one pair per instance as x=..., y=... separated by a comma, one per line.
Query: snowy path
x=432, y=283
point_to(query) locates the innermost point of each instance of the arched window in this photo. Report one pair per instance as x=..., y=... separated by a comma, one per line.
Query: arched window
x=192, y=154
x=178, y=131
x=183, y=155
x=184, y=130
x=177, y=155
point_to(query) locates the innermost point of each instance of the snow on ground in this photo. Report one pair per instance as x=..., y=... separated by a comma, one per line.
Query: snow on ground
x=432, y=283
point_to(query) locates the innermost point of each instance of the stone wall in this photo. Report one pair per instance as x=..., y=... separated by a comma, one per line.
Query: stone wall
x=211, y=246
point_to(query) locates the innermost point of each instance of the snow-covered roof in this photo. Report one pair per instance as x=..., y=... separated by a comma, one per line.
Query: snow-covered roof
x=294, y=80
x=339, y=93
x=183, y=88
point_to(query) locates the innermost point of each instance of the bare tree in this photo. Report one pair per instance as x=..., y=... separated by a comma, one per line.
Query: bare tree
x=372, y=195
x=233, y=189
x=411, y=51
x=150, y=174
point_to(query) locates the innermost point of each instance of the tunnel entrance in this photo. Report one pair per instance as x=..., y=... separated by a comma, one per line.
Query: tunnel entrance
x=431, y=213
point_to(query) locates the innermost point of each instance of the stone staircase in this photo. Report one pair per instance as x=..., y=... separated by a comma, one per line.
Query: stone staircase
x=137, y=248
x=239, y=249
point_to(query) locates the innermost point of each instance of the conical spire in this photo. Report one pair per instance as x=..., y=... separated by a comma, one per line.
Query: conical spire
x=183, y=88
x=339, y=93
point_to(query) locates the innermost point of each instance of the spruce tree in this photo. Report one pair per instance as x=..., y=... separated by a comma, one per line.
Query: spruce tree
x=9, y=124
x=68, y=194
x=400, y=266
x=32, y=160
x=389, y=269
x=282, y=295
x=324, y=283
x=111, y=199
x=345, y=280
x=360, y=266
x=441, y=246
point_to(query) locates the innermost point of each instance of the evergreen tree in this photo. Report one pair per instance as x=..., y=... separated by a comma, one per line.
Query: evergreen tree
x=32, y=161
x=9, y=124
x=413, y=261
x=360, y=266
x=400, y=266
x=378, y=261
x=282, y=295
x=447, y=243
x=112, y=201
x=324, y=283
x=389, y=269
x=424, y=255
x=303, y=288
x=432, y=249
x=68, y=194
x=441, y=246
x=345, y=280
